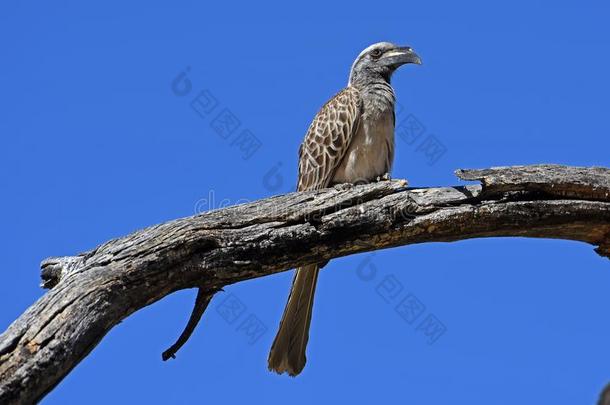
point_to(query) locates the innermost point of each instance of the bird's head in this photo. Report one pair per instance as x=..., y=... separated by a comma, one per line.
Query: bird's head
x=379, y=61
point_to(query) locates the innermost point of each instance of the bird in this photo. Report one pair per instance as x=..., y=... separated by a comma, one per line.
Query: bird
x=350, y=140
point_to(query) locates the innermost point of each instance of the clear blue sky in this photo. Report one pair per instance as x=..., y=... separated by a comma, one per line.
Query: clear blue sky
x=96, y=144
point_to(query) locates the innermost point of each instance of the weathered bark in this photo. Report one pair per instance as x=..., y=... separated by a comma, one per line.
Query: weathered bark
x=95, y=290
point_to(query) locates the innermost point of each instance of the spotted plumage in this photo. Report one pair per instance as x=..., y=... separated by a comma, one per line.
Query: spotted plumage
x=328, y=138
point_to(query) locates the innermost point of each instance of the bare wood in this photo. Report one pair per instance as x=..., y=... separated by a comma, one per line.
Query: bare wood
x=95, y=290
x=201, y=303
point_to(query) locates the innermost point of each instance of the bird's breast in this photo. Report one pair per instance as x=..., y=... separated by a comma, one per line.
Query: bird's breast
x=371, y=150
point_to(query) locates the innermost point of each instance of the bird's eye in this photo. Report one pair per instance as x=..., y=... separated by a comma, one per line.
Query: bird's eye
x=375, y=53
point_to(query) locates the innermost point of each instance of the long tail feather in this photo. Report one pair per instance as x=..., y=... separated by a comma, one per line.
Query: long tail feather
x=288, y=350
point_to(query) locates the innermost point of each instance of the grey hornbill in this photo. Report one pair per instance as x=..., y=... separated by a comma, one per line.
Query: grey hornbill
x=351, y=140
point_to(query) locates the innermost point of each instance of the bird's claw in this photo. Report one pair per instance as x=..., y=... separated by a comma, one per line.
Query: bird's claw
x=385, y=177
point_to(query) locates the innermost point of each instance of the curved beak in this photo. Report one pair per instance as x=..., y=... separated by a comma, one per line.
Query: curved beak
x=401, y=56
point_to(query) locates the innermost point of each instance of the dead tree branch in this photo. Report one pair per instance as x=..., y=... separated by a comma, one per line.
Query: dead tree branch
x=95, y=290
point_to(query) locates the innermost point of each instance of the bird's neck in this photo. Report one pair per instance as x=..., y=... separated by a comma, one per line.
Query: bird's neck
x=377, y=95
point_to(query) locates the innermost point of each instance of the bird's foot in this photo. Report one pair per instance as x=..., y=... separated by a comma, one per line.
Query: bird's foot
x=385, y=177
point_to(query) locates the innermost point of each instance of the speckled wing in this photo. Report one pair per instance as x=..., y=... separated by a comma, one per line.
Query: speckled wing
x=328, y=138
